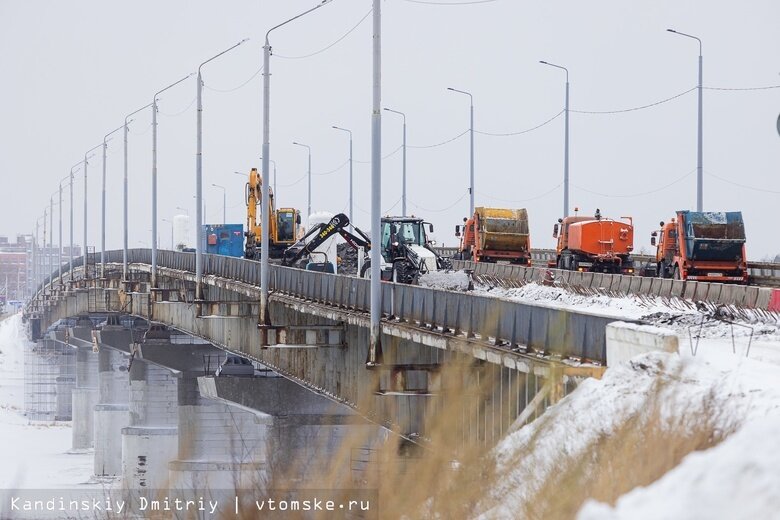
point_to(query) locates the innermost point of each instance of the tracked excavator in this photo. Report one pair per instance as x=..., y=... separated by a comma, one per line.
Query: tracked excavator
x=284, y=223
x=406, y=251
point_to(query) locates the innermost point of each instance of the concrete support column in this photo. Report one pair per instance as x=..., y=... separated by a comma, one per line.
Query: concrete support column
x=150, y=441
x=84, y=397
x=110, y=412
x=64, y=382
x=221, y=447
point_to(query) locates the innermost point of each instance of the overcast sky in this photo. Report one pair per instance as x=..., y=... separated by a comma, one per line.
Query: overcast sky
x=72, y=71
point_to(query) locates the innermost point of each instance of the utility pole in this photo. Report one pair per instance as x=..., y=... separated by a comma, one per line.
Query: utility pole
x=565, y=142
x=375, y=345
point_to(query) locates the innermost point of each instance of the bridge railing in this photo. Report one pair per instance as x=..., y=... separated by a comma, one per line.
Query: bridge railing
x=547, y=329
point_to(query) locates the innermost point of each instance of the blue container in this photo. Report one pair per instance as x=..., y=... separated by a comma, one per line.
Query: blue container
x=716, y=236
x=224, y=239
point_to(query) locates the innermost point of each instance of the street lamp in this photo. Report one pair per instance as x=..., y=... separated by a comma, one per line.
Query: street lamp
x=351, y=224
x=266, y=154
x=185, y=210
x=565, y=142
x=471, y=137
x=199, y=176
x=308, y=214
x=86, y=163
x=403, y=191
x=224, y=202
x=124, y=246
x=154, y=177
x=700, y=149
x=72, y=170
x=103, y=207
x=375, y=344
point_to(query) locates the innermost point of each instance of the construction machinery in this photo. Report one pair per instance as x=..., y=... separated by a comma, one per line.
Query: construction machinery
x=494, y=234
x=594, y=244
x=307, y=246
x=283, y=225
x=406, y=250
x=706, y=246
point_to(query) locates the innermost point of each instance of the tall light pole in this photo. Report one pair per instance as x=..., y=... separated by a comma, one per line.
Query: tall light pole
x=351, y=224
x=86, y=163
x=266, y=154
x=224, y=202
x=72, y=170
x=125, y=196
x=471, y=140
x=375, y=346
x=700, y=148
x=154, y=178
x=403, y=182
x=59, y=246
x=565, y=142
x=103, y=207
x=51, y=240
x=199, y=177
x=308, y=210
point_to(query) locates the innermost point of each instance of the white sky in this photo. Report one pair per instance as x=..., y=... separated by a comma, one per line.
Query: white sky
x=72, y=70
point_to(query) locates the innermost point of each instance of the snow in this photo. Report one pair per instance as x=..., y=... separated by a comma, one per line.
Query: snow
x=731, y=480
x=447, y=280
x=33, y=455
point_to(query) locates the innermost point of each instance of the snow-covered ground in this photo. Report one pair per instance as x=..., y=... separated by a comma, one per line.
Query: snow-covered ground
x=32, y=455
x=735, y=479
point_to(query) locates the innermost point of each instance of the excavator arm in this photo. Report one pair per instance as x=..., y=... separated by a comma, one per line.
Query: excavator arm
x=322, y=232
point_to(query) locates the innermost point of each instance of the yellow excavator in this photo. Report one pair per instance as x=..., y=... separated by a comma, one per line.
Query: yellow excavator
x=283, y=230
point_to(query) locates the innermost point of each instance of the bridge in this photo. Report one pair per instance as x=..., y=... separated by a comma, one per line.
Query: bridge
x=498, y=362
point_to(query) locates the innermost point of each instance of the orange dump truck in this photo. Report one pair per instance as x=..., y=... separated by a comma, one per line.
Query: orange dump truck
x=494, y=234
x=594, y=244
x=705, y=246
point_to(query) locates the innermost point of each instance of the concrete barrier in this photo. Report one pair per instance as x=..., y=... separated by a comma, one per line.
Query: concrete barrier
x=628, y=340
x=774, y=301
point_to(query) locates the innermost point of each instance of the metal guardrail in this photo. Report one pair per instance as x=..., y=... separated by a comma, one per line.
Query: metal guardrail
x=509, y=324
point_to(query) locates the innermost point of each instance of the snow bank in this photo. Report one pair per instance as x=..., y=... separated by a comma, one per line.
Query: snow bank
x=448, y=280
x=738, y=479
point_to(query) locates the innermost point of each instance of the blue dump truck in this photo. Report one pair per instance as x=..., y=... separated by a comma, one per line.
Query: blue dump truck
x=224, y=239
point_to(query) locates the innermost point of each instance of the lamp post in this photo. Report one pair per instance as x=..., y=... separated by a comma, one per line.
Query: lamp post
x=103, y=207
x=565, y=142
x=375, y=345
x=351, y=224
x=59, y=246
x=471, y=140
x=403, y=183
x=72, y=170
x=700, y=136
x=125, y=197
x=86, y=163
x=224, y=202
x=154, y=178
x=266, y=154
x=308, y=148
x=199, y=176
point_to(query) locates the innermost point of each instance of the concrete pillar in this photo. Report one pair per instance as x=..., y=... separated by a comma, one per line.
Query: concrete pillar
x=221, y=447
x=84, y=397
x=150, y=441
x=111, y=412
x=65, y=381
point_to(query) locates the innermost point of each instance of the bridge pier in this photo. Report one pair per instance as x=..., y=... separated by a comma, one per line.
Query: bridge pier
x=84, y=398
x=221, y=447
x=111, y=412
x=150, y=441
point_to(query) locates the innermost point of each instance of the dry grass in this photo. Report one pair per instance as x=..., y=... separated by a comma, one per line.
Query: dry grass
x=639, y=452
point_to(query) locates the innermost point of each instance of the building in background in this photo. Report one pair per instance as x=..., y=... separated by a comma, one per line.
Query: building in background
x=18, y=260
